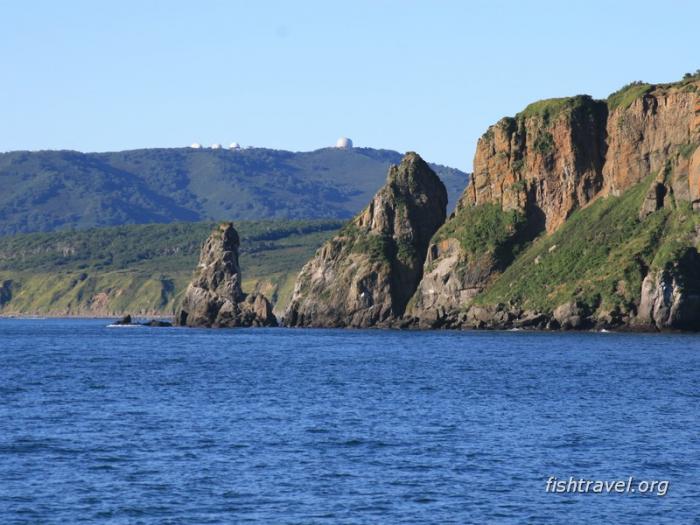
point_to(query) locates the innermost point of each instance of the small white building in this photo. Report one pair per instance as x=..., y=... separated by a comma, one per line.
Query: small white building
x=216, y=146
x=234, y=145
x=343, y=143
x=196, y=145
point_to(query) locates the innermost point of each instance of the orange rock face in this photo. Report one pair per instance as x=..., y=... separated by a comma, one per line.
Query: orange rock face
x=559, y=154
x=694, y=164
x=546, y=162
x=649, y=134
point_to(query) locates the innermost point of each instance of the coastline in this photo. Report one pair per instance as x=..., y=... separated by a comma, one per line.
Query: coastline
x=55, y=315
x=170, y=318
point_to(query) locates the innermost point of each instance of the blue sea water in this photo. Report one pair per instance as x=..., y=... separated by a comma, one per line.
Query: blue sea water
x=159, y=425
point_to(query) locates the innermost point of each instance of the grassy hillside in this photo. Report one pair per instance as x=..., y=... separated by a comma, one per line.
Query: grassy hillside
x=143, y=269
x=53, y=190
x=599, y=257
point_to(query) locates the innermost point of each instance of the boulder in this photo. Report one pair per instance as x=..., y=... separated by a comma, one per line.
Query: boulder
x=653, y=200
x=157, y=323
x=669, y=300
x=570, y=316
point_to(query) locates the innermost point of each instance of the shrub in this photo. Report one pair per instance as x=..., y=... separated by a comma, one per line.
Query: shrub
x=544, y=143
x=484, y=228
x=686, y=150
x=624, y=97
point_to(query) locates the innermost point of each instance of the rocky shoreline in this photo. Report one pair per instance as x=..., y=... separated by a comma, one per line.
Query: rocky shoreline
x=581, y=214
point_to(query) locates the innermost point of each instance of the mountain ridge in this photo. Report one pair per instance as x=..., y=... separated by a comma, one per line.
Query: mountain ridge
x=63, y=189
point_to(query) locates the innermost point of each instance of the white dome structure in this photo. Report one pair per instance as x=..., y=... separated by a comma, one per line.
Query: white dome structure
x=216, y=146
x=343, y=143
x=234, y=145
x=196, y=145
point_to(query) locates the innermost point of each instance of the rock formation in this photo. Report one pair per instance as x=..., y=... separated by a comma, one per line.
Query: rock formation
x=531, y=174
x=366, y=275
x=214, y=298
x=670, y=298
x=475, y=244
x=125, y=320
x=653, y=132
x=547, y=161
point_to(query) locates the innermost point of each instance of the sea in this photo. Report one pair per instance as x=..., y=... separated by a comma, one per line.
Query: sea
x=100, y=424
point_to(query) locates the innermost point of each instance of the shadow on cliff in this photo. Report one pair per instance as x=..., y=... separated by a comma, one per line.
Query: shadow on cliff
x=531, y=227
x=688, y=273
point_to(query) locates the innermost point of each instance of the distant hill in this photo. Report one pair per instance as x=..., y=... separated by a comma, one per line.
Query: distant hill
x=53, y=190
x=143, y=269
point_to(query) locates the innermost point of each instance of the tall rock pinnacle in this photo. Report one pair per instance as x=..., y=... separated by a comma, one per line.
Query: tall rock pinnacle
x=214, y=298
x=367, y=273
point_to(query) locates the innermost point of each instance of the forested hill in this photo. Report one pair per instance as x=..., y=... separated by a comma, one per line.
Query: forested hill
x=53, y=190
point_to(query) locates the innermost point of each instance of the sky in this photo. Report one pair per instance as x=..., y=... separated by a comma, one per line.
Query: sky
x=426, y=76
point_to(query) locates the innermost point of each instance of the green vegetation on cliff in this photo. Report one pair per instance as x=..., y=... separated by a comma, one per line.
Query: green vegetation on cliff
x=144, y=268
x=627, y=94
x=598, y=257
x=624, y=97
x=549, y=109
x=485, y=228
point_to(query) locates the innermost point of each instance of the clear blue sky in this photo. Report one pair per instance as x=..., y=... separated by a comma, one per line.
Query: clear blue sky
x=424, y=76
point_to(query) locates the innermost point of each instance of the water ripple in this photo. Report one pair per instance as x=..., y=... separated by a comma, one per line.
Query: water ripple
x=322, y=426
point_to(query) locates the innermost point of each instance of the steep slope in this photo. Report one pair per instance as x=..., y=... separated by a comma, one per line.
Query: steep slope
x=51, y=190
x=214, y=297
x=366, y=274
x=605, y=267
x=579, y=213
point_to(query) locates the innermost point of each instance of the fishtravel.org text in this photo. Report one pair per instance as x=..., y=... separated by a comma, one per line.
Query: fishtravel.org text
x=630, y=485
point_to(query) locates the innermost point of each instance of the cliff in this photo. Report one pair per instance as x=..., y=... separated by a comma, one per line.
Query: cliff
x=546, y=162
x=214, y=298
x=654, y=129
x=366, y=274
x=580, y=213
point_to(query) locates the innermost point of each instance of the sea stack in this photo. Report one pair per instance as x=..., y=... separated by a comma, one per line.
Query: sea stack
x=214, y=298
x=366, y=274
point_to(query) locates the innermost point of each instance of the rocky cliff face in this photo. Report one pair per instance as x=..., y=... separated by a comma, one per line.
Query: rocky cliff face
x=365, y=275
x=531, y=173
x=469, y=251
x=546, y=162
x=214, y=298
x=651, y=129
x=665, y=305
x=558, y=154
